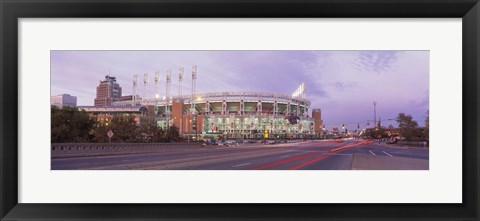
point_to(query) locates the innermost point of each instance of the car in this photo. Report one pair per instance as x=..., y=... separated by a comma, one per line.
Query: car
x=271, y=142
x=230, y=143
x=392, y=140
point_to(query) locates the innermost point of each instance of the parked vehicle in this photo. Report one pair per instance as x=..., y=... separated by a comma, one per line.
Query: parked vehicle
x=271, y=142
x=230, y=143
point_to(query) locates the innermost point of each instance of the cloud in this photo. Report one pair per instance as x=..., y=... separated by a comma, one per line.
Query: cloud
x=343, y=85
x=376, y=61
x=267, y=71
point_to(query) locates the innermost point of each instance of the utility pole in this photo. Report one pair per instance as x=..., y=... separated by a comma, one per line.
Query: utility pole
x=375, y=113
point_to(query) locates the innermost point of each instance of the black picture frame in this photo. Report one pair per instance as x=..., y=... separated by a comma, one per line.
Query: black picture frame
x=12, y=10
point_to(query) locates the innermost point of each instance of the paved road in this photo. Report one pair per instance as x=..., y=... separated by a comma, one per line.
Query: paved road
x=308, y=155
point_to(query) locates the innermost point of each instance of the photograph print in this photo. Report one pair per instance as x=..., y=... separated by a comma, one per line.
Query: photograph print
x=239, y=110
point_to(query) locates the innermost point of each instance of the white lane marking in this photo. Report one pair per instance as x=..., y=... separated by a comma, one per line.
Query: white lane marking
x=387, y=153
x=243, y=164
x=407, y=154
x=417, y=155
x=285, y=156
x=372, y=153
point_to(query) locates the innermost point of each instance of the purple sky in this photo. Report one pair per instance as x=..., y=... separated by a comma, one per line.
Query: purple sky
x=344, y=84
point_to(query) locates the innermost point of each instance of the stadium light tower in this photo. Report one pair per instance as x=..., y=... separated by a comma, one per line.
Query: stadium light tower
x=167, y=89
x=156, y=96
x=135, y=80
x=194, y=78
x=193, y=110
x=180, y=80
x=157, y=80
x=145, y=84
x=167, y=97
x=300, y=92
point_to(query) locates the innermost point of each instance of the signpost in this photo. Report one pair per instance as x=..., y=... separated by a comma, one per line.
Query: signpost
x=110, y=135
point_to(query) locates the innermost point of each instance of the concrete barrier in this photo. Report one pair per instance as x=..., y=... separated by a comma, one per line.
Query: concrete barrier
x=413, y=143
x=123, y=146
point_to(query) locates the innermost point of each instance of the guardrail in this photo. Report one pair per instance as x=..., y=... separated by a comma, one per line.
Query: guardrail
x=413, y=143
x=105, y=146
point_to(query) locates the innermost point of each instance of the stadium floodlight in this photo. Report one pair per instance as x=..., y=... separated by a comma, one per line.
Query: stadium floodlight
x=145, y=79
x=157, y=77
x=180, y=74
x=180, y=80
x=300, y=91
x=145, y=83
x=135, y=80
x=169, y=76
x=194, y=72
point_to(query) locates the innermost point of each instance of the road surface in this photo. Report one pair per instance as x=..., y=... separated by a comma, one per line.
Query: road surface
x=304, y=155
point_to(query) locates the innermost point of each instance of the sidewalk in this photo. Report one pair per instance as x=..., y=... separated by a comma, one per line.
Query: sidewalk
x=399, y=146
x=363, y=161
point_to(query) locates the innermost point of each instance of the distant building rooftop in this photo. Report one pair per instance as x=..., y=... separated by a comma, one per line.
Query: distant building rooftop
x=113, y=108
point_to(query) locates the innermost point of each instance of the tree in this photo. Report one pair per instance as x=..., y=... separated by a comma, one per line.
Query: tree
x=124, y=128
x=158, y=135
x=376, y=133
x=100, y=133
x=70, y=125
x=426, y=131
x=408, y=127
x=147, y=130
x=173, y=134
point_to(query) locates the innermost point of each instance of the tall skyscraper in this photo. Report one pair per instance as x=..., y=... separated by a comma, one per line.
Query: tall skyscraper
x=108, y=91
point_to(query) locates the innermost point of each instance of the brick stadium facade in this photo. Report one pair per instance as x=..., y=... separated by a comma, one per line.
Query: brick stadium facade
x=245, y=115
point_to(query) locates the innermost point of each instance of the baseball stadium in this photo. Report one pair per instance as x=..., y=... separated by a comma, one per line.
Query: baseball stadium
x=236, y=115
